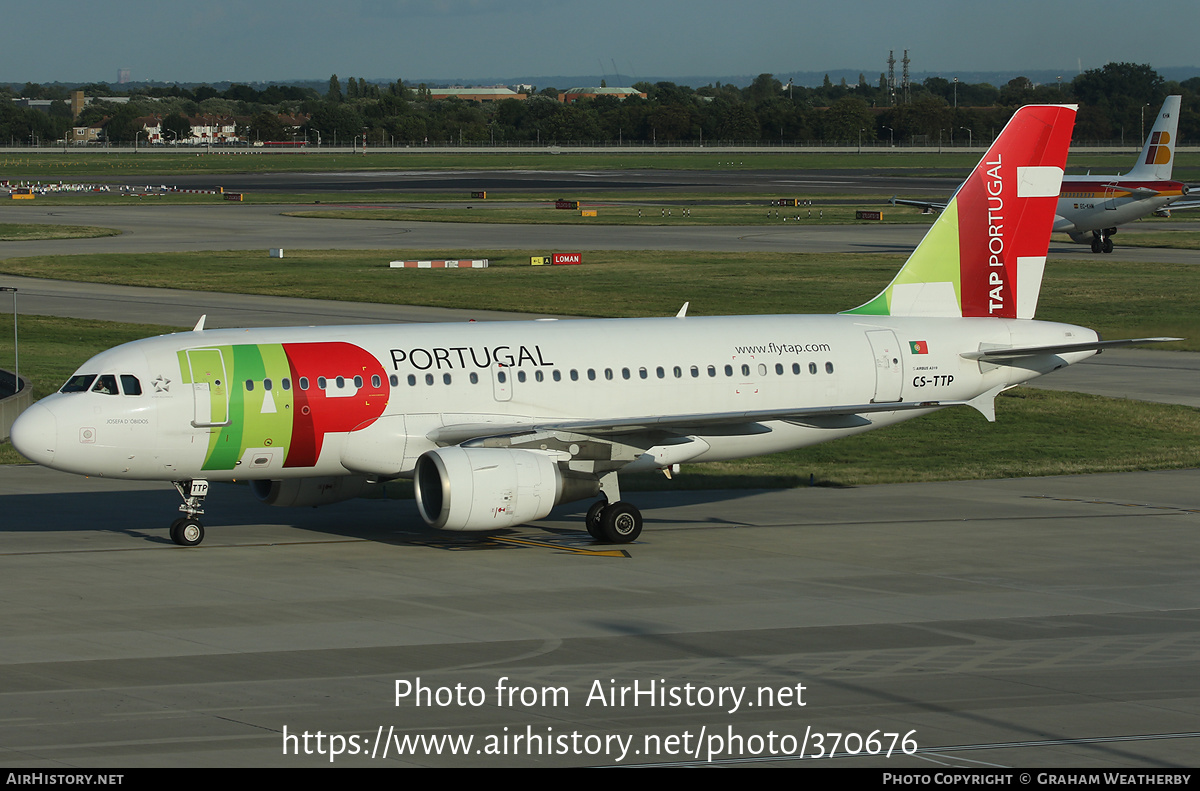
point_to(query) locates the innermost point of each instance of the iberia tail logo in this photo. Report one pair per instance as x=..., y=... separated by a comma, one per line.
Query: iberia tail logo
x=1159, y=150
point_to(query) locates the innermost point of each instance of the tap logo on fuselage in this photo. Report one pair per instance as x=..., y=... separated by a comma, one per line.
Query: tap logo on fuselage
x=284, y=396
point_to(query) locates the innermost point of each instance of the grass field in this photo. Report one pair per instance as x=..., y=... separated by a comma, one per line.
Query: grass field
x=1117, y=298
x=21, y=232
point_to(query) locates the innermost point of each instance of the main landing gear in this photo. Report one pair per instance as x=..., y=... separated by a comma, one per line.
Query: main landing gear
x=1102, y=240
x=186, y=531
x=615, y=523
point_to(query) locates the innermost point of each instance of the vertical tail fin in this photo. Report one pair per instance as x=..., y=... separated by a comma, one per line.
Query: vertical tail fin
x=985, y=253
x=1158, y=155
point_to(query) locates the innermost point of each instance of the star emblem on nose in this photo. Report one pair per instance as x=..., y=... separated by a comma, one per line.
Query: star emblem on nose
x=162, y=384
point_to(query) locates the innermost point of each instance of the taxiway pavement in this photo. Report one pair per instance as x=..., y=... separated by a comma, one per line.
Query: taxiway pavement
x=1044, y=622
x=149, y=228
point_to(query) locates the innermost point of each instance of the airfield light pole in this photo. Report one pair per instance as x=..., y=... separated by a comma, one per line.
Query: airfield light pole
x=970, y=137
x=891, y=137
x=956, y=93
x=1143, y=113
x=16, y=356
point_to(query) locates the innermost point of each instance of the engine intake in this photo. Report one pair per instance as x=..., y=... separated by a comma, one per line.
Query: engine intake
x=488, y=488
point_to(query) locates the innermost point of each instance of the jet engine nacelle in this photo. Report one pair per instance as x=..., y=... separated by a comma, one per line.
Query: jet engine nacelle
x=302, y=492
x=488, y=488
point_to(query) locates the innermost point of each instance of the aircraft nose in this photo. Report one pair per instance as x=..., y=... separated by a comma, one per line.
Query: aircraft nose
x=35, y=433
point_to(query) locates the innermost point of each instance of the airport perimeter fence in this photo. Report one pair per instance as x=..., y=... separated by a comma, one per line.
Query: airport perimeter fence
x=13, y=400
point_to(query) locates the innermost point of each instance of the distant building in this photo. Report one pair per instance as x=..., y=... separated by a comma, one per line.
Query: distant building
x=575, y=94
x=205, y=130
x=34, y=104
x=476, y=94
x=82, y=135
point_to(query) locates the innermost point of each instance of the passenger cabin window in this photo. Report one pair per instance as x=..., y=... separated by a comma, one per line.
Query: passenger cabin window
x=130, y=385
x=78, y=383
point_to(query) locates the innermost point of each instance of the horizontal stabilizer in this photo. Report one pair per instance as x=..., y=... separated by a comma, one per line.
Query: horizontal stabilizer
x=992, y=355
x=924, y=205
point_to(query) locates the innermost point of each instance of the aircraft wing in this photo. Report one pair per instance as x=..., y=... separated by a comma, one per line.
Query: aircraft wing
x=920, y=204
x=730, y=422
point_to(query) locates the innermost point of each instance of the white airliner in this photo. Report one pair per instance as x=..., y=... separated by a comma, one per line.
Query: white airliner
x=499, y=422
x=1091, y=207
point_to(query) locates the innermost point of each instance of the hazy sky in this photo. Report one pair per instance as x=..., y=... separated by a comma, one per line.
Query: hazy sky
x=214, y=40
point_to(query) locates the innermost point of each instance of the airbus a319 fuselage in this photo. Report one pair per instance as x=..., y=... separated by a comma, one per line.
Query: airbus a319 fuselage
x=333, y=401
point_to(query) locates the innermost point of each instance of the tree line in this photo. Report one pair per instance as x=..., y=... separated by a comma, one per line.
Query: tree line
x=1115, y=101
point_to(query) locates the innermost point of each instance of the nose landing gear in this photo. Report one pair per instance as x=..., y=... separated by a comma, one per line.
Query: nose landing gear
x=186, y=531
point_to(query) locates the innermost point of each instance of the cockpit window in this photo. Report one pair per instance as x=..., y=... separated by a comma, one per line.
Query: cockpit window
x=130, y=385
x=78, y=383
x=106, y=384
